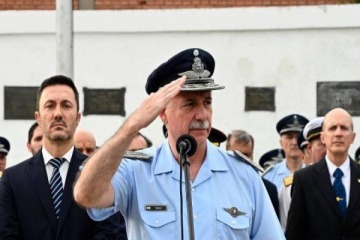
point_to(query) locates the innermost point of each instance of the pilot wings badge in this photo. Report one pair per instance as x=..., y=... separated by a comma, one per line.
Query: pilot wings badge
x=234, y=212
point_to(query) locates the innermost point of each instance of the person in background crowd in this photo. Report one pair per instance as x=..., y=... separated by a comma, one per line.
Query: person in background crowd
x=288, y=128
x=139, y=142
x=302, y=143
x=271, y=158
x=4, y=150
x=357, y=155
x=36, y=200
x=35, y=137
x=309, y=142
x=243, y=142
x=147, y=191
x=325, y=195
x=84, y=141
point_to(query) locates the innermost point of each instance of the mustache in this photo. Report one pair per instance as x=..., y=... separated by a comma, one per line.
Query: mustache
x=57, y=121
x=199, y=125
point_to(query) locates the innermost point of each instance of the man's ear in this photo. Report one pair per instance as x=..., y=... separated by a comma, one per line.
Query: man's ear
x=163, y=117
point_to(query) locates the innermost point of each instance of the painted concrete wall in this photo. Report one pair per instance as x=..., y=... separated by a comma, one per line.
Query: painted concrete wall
x=290, y=48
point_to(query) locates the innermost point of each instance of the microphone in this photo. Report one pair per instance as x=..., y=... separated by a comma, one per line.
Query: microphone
x=187, y=143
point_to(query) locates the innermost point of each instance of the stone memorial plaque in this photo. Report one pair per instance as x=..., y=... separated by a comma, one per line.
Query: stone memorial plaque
x=19, y=102
x=104, y=101
x=338, y=94
x=260, y=99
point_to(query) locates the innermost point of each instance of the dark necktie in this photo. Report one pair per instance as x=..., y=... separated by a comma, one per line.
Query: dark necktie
x=56, y=186
x=339, y=190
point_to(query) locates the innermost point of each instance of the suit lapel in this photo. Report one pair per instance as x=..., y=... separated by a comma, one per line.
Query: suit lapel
x=67, y=200
x=38, y=177
x=322, y=180
x=354, y=186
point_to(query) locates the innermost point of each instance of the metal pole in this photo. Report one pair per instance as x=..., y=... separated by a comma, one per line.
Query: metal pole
x=64, y=38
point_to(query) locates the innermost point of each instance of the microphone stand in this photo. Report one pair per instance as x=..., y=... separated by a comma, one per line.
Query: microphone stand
x=186, y=164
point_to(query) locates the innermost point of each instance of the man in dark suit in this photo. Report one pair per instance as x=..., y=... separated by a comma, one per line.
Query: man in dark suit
x=326, y=195
x=29, y=209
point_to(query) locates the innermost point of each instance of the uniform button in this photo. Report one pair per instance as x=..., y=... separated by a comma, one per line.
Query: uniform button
x=193, y=189
x=233, y=222
x=195, y=216
x=156, y=221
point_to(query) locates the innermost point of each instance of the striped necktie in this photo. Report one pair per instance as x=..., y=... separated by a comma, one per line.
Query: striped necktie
x=339, y=190
x=56, y=186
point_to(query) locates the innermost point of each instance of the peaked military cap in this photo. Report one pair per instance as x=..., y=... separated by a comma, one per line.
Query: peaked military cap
x=291, y=123
x=357, y=155
x=301, y=141
x=4, y=145
x=313, y=128
x=196, y=64
x=272, y=157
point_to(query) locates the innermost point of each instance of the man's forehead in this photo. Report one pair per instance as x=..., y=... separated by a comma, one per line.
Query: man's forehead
x=195, y=95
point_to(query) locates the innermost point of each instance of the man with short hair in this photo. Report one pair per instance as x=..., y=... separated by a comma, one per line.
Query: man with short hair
x=35, y=137
x=325, y=196
x=147, y=191
x=36, y=200
x=242, y=141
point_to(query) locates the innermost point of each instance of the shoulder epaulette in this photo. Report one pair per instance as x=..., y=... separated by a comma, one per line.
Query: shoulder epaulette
x=288, y=180
x=245, y=159
x=136, y=155
x=268, y=169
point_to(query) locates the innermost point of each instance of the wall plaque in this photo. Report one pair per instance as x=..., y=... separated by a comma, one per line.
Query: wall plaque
x=260, y=99
x=338, y=94
x=19, y=102
x=104, y=101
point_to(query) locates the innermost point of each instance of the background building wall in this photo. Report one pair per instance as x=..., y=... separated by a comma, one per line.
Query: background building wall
x=289, y=48
x=159, y=4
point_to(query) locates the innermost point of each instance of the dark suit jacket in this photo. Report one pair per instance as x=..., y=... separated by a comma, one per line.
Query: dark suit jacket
x=27, y=213
x=273, y=194
x=314, y=212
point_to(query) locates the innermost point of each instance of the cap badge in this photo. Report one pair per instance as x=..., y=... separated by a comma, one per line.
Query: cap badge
x=198, y=70
x=234, y=212
x=295, y=123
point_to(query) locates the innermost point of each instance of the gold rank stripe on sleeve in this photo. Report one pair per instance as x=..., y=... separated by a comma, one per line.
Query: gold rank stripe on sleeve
x=288, y=180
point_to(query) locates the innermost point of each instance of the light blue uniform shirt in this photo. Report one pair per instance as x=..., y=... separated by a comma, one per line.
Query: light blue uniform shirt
x=222, y=182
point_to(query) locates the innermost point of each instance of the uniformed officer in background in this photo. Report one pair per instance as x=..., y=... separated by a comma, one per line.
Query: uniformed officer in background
x=4, y=150
x=288, y=128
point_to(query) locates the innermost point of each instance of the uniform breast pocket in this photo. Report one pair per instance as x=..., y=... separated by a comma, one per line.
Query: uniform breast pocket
x=229, y=227
x=158, y=224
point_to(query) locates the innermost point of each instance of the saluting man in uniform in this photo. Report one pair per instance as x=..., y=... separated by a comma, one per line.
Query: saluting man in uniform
x=147, y=192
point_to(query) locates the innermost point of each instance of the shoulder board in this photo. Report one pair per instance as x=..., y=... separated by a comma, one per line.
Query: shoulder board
x=136, y=155
x=245, y=159
x=268, y=169
x=288, y=180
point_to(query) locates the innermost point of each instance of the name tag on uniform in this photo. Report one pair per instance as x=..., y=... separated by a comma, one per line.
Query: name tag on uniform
x=155, y=207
